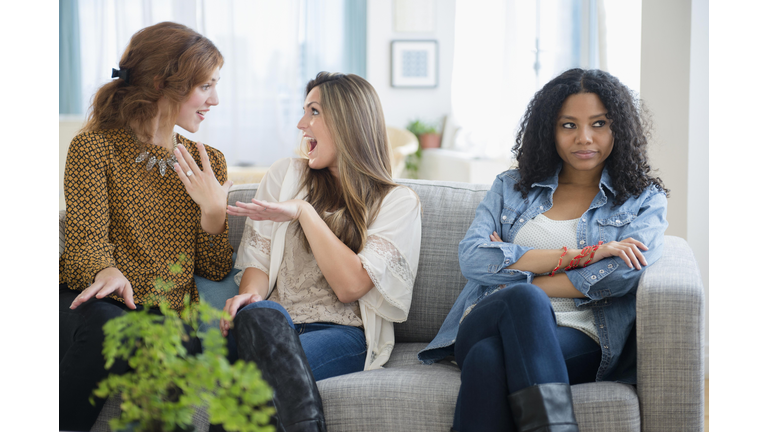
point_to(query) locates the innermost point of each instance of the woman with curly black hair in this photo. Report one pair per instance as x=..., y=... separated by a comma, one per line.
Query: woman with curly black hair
x=553, y=259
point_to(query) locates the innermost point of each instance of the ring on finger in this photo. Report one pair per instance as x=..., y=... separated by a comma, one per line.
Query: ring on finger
x=190, y=173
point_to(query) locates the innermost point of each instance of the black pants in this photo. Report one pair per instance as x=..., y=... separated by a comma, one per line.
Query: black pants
x=81, y=363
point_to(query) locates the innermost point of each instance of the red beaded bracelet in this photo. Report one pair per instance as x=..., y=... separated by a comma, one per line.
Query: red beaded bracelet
x=565, y=251
x=589, y=250
x=592, y=255
x=575, y=261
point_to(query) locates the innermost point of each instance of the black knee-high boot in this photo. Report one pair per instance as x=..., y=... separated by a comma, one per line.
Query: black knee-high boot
x=544, y=408
x=265, y=337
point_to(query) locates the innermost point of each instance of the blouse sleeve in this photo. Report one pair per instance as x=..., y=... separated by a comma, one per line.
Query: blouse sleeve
x=391, y=255
x=256, y=244
x=87, y=247
x=213, y=253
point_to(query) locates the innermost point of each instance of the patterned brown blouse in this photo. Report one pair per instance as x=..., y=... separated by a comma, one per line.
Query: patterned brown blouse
x=121, y=215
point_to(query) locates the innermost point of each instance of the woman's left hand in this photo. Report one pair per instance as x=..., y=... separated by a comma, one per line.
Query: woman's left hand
x=201, y=185
x=629, y=250
x=262, y=210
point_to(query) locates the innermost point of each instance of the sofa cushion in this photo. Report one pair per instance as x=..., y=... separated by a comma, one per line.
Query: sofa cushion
x=409, y=396
x=242, y=193
x=404, y=396
x=448, y=209
x=606, y=407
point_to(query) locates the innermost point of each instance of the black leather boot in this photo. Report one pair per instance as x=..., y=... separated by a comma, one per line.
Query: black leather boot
x=265, y=337
x=543, y=408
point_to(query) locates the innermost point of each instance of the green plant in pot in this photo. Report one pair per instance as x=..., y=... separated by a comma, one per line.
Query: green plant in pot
x=166, y=383
x=428, y=138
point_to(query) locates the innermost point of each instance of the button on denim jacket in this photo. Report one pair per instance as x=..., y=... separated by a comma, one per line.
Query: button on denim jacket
x=609, y=285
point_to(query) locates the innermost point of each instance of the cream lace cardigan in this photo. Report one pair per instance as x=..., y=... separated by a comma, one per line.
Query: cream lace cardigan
x=390, y=255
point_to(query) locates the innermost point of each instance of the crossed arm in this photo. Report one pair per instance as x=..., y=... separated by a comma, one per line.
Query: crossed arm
x=539, y=261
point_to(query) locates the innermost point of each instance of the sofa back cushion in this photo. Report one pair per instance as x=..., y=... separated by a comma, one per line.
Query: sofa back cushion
x=448, y=209
x=243, y=193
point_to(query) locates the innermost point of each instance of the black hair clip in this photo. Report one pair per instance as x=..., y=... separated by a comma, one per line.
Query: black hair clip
x=122, y=74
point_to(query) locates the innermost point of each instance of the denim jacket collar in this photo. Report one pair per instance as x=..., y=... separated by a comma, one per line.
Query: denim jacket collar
x=552, y=181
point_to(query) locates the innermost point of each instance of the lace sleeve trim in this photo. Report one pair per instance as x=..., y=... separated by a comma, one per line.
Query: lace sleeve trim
x=256, y=241
x=396, y=264
x=395, y=261
x=258, y=245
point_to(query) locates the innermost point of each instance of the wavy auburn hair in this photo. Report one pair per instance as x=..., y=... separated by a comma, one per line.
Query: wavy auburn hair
x=164, y=60
x=627, y=164
x=354, y=117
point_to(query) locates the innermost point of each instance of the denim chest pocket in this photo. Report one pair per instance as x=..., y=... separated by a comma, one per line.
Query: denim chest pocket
x=507, y=219
x=611, y=227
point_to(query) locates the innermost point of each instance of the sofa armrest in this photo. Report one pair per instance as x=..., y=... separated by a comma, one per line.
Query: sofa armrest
x=670, y=340
x=62, y=230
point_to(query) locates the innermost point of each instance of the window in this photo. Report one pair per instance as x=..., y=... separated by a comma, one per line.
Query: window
x=271, y=49
x=507, y=50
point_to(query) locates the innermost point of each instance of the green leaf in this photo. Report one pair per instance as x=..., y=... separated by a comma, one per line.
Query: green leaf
x=418, y=127
x=161, y=367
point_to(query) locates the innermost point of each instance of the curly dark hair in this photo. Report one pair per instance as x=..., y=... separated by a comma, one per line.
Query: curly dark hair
x=630, y=123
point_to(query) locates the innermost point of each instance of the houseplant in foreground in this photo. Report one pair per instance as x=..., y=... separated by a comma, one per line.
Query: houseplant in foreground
x=166, y=383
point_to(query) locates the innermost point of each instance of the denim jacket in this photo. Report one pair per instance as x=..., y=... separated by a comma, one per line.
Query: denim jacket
x=609, y=285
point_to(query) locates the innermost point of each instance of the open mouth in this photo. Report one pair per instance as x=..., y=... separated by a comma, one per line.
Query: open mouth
x=312, y=144
x=201, y=113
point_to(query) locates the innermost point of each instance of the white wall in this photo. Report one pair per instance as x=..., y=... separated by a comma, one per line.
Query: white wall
x=664, y=86
x=400, y=104
x=698, y=152
x=674, y=83
x=69, y=125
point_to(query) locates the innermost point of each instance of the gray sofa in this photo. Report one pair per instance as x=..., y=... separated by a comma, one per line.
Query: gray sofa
x=409, y=396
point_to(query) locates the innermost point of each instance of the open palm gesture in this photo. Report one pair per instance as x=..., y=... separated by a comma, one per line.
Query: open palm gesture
x=262, y=210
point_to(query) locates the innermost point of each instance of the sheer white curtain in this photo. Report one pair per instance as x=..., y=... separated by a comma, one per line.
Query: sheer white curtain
x=261, y=87
x=506, y=50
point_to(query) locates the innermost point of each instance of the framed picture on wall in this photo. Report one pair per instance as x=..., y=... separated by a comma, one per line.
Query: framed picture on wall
x=414, y=63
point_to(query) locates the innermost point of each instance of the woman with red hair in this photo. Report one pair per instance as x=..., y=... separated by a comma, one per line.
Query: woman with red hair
x=139, y=196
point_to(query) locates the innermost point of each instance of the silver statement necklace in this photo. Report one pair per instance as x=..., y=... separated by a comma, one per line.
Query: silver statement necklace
x=162, y=164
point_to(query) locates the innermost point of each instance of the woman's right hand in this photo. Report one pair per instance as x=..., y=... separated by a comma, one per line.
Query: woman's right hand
x=263, y=210
x=627, y=249
x=232, y=306
x=108, y=281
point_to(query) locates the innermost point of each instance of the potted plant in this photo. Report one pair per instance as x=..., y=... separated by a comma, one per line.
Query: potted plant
x=428, y=138
x=426, y=133
x=166, y=384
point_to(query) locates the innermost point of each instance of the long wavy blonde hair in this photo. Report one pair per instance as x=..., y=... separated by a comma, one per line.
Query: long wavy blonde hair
x=353, y=115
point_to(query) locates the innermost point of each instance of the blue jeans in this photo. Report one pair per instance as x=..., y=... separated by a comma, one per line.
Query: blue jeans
x=216, y=293
x=511, y=341
x=331, y=349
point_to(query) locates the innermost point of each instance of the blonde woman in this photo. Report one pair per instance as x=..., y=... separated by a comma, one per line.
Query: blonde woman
x=329, y=253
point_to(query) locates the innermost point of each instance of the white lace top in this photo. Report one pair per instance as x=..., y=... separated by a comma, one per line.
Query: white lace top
x=544, y=233
x=303, y=291
x=390, y=255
